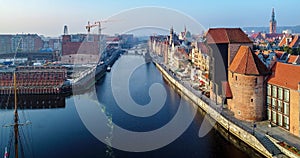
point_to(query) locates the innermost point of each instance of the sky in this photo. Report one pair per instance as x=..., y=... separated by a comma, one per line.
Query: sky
x=48, y=17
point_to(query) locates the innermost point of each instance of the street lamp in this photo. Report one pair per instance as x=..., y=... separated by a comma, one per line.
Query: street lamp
x=254, y=126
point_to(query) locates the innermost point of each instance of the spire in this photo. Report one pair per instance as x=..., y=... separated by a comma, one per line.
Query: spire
x=66, y=30
x=273, y=15
x=273, y=22
x=171, y=30
x=171, y=36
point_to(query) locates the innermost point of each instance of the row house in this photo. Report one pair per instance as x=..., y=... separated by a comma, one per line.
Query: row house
x=200, y=63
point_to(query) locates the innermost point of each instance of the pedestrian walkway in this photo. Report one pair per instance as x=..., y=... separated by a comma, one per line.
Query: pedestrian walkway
x=258, y=129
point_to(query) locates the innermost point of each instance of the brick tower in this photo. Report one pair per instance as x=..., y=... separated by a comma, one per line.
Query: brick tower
x=246, y=78
x=273, y=23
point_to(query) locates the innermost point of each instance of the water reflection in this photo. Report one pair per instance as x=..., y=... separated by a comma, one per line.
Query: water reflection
x=33, y=101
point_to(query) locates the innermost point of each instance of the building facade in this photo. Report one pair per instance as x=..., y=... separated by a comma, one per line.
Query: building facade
x=22, y=43
x=80, y=49
x=223, y=43
x=33, y=80
x=283, y=95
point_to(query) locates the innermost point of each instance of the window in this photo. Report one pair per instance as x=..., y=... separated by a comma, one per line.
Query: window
x=286, y=122
x=279, y=106
x=273, y=103
x=274, y=91
x=269, y=100
x=269, y=90
x=286, y=95
x=236, y=78
x=274, y=116
x=255, y=81
x=280, y=93
x=280, y=119
x=269, y=114
x=251, y=100
x=286, y=108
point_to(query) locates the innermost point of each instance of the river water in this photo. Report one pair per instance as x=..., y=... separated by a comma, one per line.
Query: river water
x=57, y=131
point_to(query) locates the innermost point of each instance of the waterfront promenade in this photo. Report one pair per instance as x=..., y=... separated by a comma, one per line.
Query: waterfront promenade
x=268, y=136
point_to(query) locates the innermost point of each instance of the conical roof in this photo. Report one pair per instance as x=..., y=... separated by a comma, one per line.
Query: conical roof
x=247, y=63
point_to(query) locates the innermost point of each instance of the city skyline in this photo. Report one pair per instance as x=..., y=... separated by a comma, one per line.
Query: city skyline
x=49, y=17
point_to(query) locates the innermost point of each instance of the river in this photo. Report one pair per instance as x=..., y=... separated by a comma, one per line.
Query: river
x=59, y=132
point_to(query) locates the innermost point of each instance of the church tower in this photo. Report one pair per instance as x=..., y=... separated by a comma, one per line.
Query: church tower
x=171, y=36
x=273, y=23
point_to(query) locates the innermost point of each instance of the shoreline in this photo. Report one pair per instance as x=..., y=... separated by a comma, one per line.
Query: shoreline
x=231, y=127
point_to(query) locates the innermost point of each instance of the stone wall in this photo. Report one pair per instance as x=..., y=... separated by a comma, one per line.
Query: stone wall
x=248, y=102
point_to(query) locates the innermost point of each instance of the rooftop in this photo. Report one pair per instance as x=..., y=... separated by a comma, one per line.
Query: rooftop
x=226, y=35
x=246, y=62
x=285, y=75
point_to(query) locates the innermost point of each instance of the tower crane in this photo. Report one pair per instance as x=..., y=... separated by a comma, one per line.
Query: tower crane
x=96, y=24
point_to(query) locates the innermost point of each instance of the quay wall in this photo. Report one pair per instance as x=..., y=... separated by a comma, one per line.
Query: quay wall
x=240, y=133
x=282, y=149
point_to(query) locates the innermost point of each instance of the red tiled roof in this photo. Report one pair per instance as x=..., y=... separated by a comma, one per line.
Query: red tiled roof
x=292, y=58
x=226, y=89
x=246, y=62
x=255, y=35
x=274, y=35
x=282, y=42
x=295, y=41
x=226, y=35
x=285, y=75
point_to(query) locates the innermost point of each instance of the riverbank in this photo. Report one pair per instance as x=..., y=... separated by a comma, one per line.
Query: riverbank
x=89, y=77
x=256, y=141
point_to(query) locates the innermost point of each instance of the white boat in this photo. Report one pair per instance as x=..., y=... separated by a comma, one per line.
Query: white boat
x=108, y=68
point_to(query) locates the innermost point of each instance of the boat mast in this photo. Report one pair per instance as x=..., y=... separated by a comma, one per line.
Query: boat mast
x=16, y=125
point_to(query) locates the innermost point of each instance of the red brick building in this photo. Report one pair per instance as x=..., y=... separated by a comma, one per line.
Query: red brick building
x=80, y=49
x=223, y=43
x=246, y=78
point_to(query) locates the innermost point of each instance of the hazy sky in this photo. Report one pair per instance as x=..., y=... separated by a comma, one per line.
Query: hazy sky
x=47, y=17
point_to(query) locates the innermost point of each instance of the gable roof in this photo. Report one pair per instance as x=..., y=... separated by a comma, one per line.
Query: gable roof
x=282, y=42
x=226, y=35
x=285, y=75
x=247, y=63
x=292, y=59
x=295, y=42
